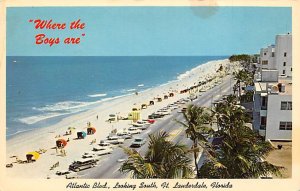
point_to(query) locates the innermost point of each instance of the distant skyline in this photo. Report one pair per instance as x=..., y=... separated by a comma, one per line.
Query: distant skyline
x=146, y=31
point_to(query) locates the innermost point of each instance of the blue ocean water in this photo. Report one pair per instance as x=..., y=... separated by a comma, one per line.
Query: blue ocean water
x=42, y=90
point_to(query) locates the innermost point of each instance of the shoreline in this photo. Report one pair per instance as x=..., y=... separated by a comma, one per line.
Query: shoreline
x=52, y=120
x=44, y=138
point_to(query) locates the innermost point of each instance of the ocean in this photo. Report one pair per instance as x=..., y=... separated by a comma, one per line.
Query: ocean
x=40, y=90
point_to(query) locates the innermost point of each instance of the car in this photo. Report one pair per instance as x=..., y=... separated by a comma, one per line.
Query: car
x=104, y=144
x=116, y=141
x=59, y=173
x=143, y=122
x=72, y=175
x=101, y=147
x=155, y=115
x=137, y=124
x=124, y=135
x=97, y=152
x=138, y=142
x=83, y=164
x=112, y=136
x=144, y=126
x=134, y=130
x=151, y=121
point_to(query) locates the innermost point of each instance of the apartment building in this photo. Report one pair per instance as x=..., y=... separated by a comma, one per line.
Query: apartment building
x=272, y=112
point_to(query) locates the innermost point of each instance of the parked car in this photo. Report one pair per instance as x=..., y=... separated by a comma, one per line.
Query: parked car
x=134, y=130
x=83, y=164
x=124, y=135
x=151, y=121
x=96, y=152
x=138, y=142
x=116, y=141
x=59, y=173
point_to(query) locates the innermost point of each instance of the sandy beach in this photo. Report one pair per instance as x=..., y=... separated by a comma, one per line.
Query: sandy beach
x=45, y=138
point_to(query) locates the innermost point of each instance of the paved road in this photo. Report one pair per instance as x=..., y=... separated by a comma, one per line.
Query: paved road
x=108, y=166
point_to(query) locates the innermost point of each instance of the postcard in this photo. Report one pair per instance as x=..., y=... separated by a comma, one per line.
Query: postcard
x=149, y=95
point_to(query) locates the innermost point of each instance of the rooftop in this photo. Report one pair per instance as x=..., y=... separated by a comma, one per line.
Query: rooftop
x=274, y=87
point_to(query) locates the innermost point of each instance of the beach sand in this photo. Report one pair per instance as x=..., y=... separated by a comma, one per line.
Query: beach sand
x=44, y=138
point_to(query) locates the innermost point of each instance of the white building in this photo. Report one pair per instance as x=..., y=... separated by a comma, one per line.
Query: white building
x=272, y=111
x=283, y=52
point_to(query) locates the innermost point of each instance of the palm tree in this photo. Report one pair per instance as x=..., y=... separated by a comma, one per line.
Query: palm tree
x=196, y=126
x=242, y=155
x=241, y=152
x=163, y=159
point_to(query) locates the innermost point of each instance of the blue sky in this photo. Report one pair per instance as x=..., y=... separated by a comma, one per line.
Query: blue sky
x=139, y=31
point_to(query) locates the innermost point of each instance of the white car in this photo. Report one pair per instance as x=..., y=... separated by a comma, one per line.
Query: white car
x=116, y=141
x=124, y=135
x=134, y=130
x=138, y=142
x=96, y=153
x=112, y=137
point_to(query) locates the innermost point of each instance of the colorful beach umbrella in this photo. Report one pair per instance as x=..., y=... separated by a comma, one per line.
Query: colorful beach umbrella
x=34, y=154
x=60, y=142
x=91, y=130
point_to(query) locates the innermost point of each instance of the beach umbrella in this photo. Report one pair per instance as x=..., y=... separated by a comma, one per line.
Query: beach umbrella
x=34, y=154
x=91, y=130
x=61, y=142
x=81, y=134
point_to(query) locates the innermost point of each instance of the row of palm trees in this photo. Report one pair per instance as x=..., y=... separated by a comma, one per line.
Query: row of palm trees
x=241, y=152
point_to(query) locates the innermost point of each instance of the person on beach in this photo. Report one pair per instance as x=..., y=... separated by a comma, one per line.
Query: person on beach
x=97, y=117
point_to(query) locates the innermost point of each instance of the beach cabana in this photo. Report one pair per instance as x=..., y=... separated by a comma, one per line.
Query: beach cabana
x=81, y=135
x=159, y=99
x=91, y=130
x=144, y=106
x=32, y=156
x=61, y=143
x=166, y=97
x=171, y=94
x=134, y=109
x=151, y=102
x=134, y=115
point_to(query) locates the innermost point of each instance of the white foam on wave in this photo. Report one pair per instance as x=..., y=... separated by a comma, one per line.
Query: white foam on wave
x=97, y=95
x=37, y=118
x=18, y=132
x=63, y=106
x=140, y=85
x=131, y=90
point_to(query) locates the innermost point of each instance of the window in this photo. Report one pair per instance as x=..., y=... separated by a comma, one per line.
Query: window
x=283, y=71
x=264, y=62
x=284, y=63
x=285, y=125
x=273, y=54
x=286, y=105
x=265, y=53
x=291, y=69
x=284, y=54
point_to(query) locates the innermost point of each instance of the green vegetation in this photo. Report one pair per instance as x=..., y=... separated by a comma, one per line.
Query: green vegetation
x=241, y=151
x=240, y=58
x=196, y=127
x=163, y=159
